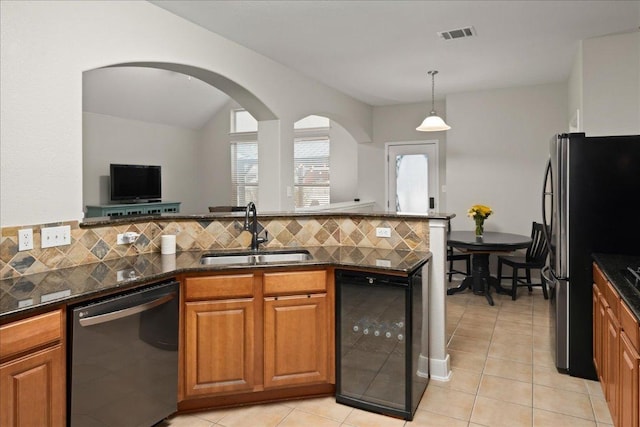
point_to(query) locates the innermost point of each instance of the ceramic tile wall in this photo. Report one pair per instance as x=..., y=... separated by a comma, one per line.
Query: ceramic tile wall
x=95, y=244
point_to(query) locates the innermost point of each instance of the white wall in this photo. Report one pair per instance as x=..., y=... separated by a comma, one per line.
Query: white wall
x=214, y=163
x=343, y=164
x=108, y=139
x=46, y=46
x=497, y=151
x=611, y=85
x=576, y=104
x=393, y=124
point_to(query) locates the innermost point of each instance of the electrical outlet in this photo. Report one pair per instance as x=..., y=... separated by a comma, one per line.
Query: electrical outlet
x=383, y=232
x=127, y=238
x=55, y=236
x=383, y=263
x=25, y=239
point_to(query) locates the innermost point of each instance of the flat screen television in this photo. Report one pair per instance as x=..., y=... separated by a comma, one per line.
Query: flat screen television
x=135, y=183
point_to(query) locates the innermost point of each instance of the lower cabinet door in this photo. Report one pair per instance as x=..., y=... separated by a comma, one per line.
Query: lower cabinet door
x=32, y=390
x=629, y=383
x=597, y=331
x=612, y=350
x=603, y=365
x=296, y=333
x=219, y=347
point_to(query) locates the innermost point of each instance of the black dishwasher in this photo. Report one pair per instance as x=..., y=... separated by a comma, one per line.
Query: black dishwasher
x=381, y=337
x=123, y=366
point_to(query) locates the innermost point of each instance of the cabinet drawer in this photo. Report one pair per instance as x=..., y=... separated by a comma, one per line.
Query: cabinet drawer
x=599, y=279
x=26, y=334
x=629, y=324
x=613, y=299
x=295, y=282
x=219, y=287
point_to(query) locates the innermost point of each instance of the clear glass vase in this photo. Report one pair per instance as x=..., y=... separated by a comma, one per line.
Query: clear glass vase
x=479, y=226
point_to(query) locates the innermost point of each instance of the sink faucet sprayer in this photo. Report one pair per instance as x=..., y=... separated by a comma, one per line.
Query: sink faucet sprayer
x=255, y=240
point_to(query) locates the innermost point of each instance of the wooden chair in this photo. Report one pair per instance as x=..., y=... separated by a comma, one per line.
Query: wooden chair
x=455, y=255
x=534, y=259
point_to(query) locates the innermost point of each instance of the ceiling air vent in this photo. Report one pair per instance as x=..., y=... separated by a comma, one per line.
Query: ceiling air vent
x=457, y=34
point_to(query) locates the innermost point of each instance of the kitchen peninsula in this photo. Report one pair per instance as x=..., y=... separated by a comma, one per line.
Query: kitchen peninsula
x=332, y=239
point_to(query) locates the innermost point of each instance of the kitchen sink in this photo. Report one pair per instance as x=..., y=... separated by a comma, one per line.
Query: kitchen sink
x=255, y=258
x=210, y=259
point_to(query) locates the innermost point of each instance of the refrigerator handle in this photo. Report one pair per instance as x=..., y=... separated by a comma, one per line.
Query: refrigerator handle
x=547, y=228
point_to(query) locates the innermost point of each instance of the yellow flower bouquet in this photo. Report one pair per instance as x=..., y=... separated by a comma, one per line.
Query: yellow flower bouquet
x=479, y=213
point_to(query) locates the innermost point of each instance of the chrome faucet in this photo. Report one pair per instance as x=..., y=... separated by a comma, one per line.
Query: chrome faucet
x=255, y=240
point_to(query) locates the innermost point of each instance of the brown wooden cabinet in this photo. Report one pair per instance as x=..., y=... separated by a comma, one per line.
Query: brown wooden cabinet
x=296, y=340
x=32, y=371
x=219, y=344
x=257, y=331
x=612, y=361
x=629, y=383
x=298, y=328
x=599, y=312
x=219, y=338
x=616, y=343
x=629, y=396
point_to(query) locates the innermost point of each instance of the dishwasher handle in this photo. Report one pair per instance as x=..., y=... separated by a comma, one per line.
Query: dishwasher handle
x=129, y=311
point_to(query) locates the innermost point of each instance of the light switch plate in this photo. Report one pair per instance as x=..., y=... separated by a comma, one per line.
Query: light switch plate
x=55, y=236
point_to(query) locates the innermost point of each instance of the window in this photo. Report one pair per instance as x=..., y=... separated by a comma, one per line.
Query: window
x=244, y=172
x=312, y=122
x=243, y=121
x=311, y=150
x=311, y=179
x=244, y=157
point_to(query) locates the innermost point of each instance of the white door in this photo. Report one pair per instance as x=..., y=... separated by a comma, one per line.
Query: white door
x=412, y=177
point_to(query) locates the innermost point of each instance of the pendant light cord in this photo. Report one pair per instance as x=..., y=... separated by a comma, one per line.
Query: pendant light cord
x=433, y=90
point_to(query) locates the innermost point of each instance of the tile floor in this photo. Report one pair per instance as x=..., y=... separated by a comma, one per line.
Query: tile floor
x=503, y=375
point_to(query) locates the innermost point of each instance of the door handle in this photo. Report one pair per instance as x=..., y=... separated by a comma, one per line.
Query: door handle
x=432, y=203
x=547, y=228
x=129, y=311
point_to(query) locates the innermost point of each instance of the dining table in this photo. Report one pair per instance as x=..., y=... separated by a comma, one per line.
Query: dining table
x=480, y=248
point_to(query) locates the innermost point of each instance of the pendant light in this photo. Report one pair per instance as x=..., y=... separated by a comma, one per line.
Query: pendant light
x=433, y=122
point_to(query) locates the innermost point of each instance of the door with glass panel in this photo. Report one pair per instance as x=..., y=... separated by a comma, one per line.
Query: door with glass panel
x=412, y=174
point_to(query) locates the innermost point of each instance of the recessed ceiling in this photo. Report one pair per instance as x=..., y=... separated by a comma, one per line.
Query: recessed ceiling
x=380, y=51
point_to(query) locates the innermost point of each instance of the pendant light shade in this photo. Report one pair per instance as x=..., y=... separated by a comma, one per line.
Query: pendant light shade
x=433, y=122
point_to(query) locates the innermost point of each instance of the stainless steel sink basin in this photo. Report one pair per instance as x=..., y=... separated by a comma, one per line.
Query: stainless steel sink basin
x=227, y=259
x=255, y=258
x=284, y=257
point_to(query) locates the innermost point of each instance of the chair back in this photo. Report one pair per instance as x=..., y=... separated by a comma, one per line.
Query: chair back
x=227, y=208
x=538, y=250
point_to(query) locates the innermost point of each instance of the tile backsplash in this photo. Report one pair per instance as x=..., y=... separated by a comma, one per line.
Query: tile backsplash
x=98, y=243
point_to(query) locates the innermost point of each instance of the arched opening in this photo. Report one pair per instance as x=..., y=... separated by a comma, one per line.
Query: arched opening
x=156, y=113
x=199, y=157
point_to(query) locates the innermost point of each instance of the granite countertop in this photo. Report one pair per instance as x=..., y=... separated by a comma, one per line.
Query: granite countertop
x=613, y=266
x=102, y=221
x=35, y=292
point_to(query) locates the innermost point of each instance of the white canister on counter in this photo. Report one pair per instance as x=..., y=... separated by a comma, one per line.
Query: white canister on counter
x=168, y=244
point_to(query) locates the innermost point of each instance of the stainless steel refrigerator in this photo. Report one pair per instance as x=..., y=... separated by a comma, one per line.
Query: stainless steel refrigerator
x=591, y=204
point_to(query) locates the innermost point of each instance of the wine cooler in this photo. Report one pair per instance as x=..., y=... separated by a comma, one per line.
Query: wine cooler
x=381, y=333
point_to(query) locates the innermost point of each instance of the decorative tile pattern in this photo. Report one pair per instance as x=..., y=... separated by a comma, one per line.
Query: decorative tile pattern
x=96, y=244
